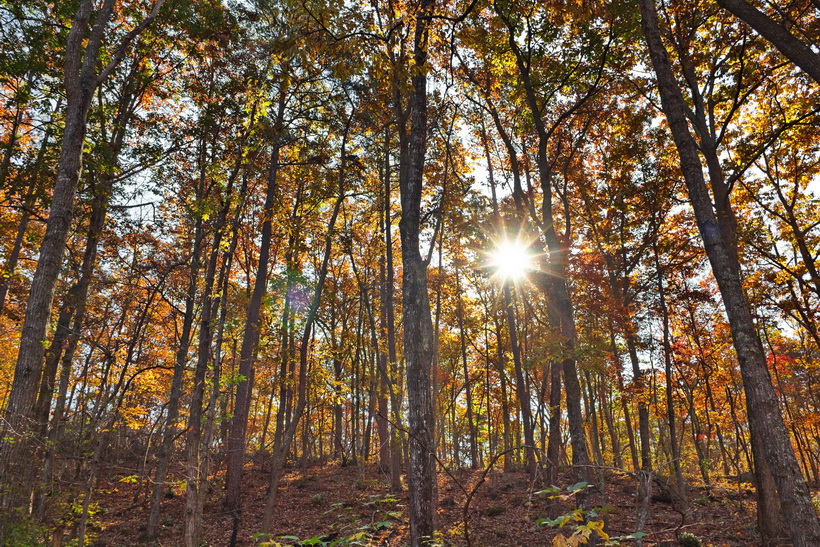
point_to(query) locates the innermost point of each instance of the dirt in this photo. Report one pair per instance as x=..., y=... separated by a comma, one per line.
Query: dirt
x=354, y=506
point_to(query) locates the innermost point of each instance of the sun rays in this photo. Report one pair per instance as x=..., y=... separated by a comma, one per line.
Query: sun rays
x=511, y=260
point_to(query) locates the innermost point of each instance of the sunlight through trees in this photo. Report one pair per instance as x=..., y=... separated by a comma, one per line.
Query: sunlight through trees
x=444, y=241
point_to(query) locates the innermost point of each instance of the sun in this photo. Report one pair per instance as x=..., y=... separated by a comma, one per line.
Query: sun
x=511, y=260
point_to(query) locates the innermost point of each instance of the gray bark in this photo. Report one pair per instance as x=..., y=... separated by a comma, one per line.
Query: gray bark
x=81, y=79
x=765, y=422
x=780, y=37
x=419, y=350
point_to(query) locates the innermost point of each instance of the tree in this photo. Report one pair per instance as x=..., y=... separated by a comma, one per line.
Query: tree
x=765, y=420
x=418, y=327
x=81, y=78
x=778, y=34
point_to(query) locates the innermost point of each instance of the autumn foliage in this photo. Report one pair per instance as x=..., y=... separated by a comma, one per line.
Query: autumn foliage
x=238, y=238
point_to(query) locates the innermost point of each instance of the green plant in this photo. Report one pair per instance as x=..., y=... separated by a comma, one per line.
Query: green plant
x=579, y=519
x=358, y=538
x=583, y=522
x=23, y=532
x=689, y=540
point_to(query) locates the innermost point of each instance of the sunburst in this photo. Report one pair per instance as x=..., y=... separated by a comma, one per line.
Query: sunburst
x=511, y=260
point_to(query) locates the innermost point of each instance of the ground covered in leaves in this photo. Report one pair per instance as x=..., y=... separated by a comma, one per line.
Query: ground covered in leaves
x=353, y=505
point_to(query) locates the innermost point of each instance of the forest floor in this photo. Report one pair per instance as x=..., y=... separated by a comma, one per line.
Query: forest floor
x=354, y=505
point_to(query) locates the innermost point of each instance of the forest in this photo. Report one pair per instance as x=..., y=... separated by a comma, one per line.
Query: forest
x=408, y=272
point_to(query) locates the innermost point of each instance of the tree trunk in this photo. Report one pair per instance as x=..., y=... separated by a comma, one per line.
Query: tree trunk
x=280, y=449
x=389, y=328
x=557, y=269
x=73, y=308
x=605, y=394
x=643, y=402
x=471, y=428
x=765, y=422
x=66, y=337
x=505, y=411
x=667, y=361
x=418, y=327
x=38, y=310
x=194, y=464
x=239, y=423
x=81, y=79
x=792, y=48
x=170, y=431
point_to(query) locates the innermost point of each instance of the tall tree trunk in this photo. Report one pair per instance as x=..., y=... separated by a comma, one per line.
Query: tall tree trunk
x=667, y=368
x=765, y=422
x=471, y=428
x=643, y=401
x=505, y=411
x=780, y=37
x=558, y=284
x=383, y=388
x=236, y=436
x=239, y=423
x=592, y=412
x=171, y=429
x=554, y=441
x=605, y=394
x=38, y=310
x=74, y=306
x=80, y=78
x=211, y=300
x=281, y=449
x=66, y=337
x=521, y=389
x=418, y=327
x=389, y=328
x=630, y=433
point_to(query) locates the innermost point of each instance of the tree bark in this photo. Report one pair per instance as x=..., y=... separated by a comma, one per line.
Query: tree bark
x=558, y=284
x=418, y=327
x=239, y=423
x=765, y=422
x=280, y=449
x=389, y=329
x=194, y=461
x=170, y=431
x=674, y=447
x=80, y=79
x=792, y=48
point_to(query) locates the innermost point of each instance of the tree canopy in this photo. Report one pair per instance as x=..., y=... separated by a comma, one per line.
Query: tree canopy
x=565, y=238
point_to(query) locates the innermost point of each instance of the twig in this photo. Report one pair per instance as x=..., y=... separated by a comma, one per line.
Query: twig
x=469, y=493
x=474, y=489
